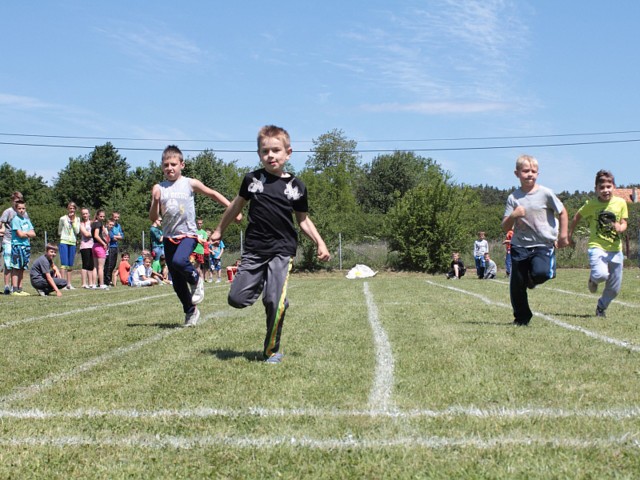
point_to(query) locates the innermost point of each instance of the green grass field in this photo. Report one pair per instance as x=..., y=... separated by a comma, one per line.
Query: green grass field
x=396, y=376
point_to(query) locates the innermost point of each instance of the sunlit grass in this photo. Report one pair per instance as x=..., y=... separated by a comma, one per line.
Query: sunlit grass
x=107, y=384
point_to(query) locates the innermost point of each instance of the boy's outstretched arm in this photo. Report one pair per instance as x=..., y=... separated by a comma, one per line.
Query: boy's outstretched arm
x=572, y=227
x=621, y=226
x=200, y=187
x=563, y=218
x=154, y=209
x=233, y=211
x=309, y=229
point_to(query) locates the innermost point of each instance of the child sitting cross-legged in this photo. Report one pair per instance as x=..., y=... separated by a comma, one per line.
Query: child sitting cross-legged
x=143, y=275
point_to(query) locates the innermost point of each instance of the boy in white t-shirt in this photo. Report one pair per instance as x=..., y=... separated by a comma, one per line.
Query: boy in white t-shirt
x=143, y=275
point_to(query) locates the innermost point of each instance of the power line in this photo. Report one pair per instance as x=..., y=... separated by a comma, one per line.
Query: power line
x=409, y=140
x=443, y=149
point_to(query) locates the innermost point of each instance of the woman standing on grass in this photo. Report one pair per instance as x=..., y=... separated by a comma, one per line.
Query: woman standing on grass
x=100, y=237
x=68, y=229
x=88, y=271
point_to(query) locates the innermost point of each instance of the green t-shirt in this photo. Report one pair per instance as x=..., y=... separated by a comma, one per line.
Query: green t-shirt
x=156, y=267
x=199, y=247
x=601, y=217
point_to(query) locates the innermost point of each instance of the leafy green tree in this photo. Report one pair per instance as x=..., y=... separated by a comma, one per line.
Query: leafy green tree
x=332, y=173
x=425, y=225
x=97, y=180
x=213, y=172
x=33, y=187
x=388, y=177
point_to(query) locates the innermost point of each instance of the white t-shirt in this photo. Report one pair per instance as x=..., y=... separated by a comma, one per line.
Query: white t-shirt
x=139, y=272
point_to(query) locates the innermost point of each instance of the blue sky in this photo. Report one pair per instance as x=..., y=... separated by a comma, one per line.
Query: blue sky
x=450, y=79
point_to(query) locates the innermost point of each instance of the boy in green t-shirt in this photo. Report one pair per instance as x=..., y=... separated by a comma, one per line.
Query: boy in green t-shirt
x=607, y=216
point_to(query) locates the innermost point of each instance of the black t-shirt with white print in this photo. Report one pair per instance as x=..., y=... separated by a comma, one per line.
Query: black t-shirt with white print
x=272, y=203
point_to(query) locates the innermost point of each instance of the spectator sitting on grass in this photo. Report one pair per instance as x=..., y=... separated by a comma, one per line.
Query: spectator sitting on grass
x=490, y=267
x=142, y=275
x=457, y=267
x=160, y=270
x=45, y=276
x=124, y=269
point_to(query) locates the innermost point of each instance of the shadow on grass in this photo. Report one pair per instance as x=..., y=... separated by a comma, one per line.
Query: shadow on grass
x=161, y=326
x=572, y=315
x=225, y=354
x=497, y=324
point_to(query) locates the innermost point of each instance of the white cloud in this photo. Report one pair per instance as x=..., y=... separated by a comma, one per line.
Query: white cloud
x=154, y=47
x=22, y=103
x=431, y=108
x=442, y=55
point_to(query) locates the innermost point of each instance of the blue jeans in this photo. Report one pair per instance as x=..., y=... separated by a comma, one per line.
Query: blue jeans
x=479, y=266
x=530, y=266
x=181, y=270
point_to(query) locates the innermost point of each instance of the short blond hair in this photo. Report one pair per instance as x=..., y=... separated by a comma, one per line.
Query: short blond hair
x=522, y=159
x=272, y=131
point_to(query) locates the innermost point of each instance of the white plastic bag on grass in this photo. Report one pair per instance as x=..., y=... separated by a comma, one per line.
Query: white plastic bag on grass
x=360, y=271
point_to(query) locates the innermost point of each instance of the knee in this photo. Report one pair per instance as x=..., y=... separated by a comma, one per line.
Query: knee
x=600, y=276
x=237, y=302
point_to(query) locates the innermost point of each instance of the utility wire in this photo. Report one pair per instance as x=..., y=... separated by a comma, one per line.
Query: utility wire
x=451, y=139
x=444, y=149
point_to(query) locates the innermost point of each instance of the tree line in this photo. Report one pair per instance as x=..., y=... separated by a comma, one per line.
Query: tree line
x=405, y=199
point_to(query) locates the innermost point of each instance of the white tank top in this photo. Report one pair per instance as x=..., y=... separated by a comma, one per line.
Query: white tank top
x=178, y=209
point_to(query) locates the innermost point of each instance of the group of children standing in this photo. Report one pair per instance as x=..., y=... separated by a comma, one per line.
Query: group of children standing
x=485, y=267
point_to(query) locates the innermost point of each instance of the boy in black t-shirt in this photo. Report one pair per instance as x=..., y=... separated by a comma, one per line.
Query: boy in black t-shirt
x=274, y=196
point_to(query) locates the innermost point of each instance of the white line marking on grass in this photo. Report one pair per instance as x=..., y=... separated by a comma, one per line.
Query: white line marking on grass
x=628, y=413
x=380, y=396
x=81, y=310
x=347, y=442
x=549, y=318
x=578, y=294
x=23, y=393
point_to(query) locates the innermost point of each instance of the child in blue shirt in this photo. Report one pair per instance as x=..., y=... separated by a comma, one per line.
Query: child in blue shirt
x=216, y=249
x=21, y=233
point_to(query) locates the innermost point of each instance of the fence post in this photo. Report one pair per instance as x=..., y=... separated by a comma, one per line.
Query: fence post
x=340, y=251
x=142, y=239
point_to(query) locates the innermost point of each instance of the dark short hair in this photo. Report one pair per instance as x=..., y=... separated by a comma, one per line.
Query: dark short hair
x=172, y=151
x=604, y=175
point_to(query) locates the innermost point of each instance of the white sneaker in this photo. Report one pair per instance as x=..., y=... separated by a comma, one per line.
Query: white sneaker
x=218, y=280
x=197, y=292
x=191, y=319
x=70, y=287
x=103, y=287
